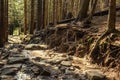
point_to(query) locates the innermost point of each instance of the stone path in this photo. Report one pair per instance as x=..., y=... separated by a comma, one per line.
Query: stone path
x=36, y=62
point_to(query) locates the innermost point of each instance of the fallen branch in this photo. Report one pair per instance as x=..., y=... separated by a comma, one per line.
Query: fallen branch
x=101, y=13
x=104, y=12
x=66, y=21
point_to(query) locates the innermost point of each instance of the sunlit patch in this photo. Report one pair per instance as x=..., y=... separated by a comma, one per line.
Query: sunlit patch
x=22, y=76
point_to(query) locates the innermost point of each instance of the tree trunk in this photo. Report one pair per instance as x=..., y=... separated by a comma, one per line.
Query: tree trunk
x=39, y=14
x=112, y=16
x=32, y=27
x=54, y=12
x=25, y=17
x=64, y=9
x=93, y=6
x=83, y=10
x=2, y=26
x=6, y=19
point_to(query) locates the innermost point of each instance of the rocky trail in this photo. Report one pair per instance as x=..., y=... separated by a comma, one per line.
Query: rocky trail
x=37, y=62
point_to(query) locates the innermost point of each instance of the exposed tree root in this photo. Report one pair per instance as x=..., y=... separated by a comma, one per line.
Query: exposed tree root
x=95, y=48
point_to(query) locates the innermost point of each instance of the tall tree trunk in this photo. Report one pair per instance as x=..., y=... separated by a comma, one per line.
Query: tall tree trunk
x=61, y=9
x=112, y=15
x=40, y=14
x=83, y=10
x=93, y=7
x=6, y=19
x=64, y=8
x=45, y=12
x=2, y=27
x=25, y=17
x=32, y=27
x=54, y=12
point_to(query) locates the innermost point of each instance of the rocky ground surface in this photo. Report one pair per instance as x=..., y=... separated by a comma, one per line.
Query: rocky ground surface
x=36, y=62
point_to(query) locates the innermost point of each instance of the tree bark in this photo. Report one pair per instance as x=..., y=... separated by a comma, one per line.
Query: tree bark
x=25, y=17
x=2, y=24
x=93, y=6
x=6, y=21
x=112, y=15
x=83, y=10
x=39, y=14
x=32, y=27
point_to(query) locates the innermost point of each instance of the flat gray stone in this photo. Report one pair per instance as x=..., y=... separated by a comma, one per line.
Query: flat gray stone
x=95, y=74
x=6, y=77
x=66, y=63
x=9, y=71
x=54, y=71
x=55, y=61
x=68, y=72
x=12, y=60
x=35, y=47
x=16, y=55
x=13, y=66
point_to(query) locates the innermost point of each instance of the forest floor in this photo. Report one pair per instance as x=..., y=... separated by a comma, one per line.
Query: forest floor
x=48, y=55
